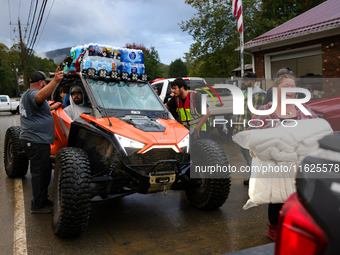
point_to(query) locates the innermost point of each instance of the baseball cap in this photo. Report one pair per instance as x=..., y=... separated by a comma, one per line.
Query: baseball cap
x=37, y=76
x=283, y=71
x=249, y=75
x=75, y=89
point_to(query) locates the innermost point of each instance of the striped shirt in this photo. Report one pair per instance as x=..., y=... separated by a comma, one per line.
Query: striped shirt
x=258, y=101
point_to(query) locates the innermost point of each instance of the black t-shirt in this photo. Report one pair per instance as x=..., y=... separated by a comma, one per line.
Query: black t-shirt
x=198, y=101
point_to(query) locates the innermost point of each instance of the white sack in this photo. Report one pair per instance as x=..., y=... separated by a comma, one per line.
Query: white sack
x=281, y=148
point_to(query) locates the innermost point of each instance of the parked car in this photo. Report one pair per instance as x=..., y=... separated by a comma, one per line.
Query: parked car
x=328, y=109
x=8, y=105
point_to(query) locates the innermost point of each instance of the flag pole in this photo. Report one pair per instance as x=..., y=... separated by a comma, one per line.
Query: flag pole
x=237, y=10
x=242, y=53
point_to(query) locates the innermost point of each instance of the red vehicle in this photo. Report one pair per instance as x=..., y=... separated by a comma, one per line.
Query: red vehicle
x=309, y=221
x=328, y=109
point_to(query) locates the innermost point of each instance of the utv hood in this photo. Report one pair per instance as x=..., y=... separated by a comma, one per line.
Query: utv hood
x=151, y=132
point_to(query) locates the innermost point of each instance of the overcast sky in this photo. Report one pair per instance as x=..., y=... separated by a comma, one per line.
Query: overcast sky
x=111, y=22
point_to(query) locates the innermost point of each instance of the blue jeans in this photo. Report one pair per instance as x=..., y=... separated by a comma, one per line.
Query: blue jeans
x=247, y=157
x=204, y=135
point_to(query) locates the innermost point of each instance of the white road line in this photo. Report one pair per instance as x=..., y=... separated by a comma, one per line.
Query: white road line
x=19, y=244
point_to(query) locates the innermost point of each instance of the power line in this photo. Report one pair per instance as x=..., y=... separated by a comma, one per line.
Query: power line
x=9, y=7
x=10, y=21
x=45, y=22
x=19, y=8
x=29, y=16
x=29, y=35
x=36, y=31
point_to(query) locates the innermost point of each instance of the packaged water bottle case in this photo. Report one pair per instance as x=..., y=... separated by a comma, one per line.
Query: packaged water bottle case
x=109, y=58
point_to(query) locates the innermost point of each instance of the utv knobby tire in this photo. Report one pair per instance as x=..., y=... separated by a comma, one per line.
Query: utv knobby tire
x=15, y=159
x=208, y=193
x=72, y=193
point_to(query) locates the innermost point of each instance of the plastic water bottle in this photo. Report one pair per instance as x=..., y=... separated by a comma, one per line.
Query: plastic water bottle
x=92, y=50
x=99, y=51
x=140, y=59
x=78, y=51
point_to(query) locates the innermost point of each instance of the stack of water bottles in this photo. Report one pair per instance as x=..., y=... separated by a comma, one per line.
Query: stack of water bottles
x=109, y=58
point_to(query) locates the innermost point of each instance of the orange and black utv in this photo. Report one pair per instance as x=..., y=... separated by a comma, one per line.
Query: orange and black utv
x=126, y=143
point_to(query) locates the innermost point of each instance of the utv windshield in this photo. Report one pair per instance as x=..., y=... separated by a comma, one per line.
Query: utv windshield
x=125, y=95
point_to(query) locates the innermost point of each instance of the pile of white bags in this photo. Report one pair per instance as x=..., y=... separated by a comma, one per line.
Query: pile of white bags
x=279, y=151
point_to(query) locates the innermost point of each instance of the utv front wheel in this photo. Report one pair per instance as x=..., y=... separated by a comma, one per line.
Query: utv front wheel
x=208, y=193
x=72, y=193
x=15, y=159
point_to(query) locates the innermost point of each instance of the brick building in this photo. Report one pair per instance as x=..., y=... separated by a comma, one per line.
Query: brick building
x=309, y=44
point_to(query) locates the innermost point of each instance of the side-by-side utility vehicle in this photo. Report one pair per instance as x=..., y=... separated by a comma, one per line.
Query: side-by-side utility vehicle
x=124, y=143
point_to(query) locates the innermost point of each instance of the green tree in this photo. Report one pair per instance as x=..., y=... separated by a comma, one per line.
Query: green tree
x=7, y=72
x=278, y=12
x=10, y=59
x=151, y=60
x=178, y=69
x=214, y=31
x=212, y=28
x=165, y=70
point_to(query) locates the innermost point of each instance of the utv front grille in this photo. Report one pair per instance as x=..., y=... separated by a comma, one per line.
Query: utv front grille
x=142, y=162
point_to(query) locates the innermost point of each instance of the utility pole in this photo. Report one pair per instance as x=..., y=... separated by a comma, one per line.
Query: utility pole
x=16, y=80
x=22, y=55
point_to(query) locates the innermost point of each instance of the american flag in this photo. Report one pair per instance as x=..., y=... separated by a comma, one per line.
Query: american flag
x=237, y=10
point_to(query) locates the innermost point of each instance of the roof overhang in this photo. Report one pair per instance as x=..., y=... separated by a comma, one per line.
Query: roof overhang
x=246, y=67
x=312, y=35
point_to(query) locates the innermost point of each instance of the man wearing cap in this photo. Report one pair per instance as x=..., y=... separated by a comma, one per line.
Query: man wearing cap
x=77, y=103
x=37, y=133
x=258, y=95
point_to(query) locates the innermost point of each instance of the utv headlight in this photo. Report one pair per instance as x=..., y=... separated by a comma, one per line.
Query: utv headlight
x=102, y=73
x=134, y=76
x=130, y=146
x=124, y=75
x=91, y=72
x=144, y=77
x=114, y=74
x=184, y=144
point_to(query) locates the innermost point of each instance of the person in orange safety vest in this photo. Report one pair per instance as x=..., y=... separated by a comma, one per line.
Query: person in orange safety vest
x=188, y=104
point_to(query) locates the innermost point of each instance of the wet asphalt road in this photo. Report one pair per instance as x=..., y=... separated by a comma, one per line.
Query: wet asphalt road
x=140, y=224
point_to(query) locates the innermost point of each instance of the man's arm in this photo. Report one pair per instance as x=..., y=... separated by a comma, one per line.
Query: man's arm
x=171, y=104
x=204, y=118
x=45, y=92
x=55, y=106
